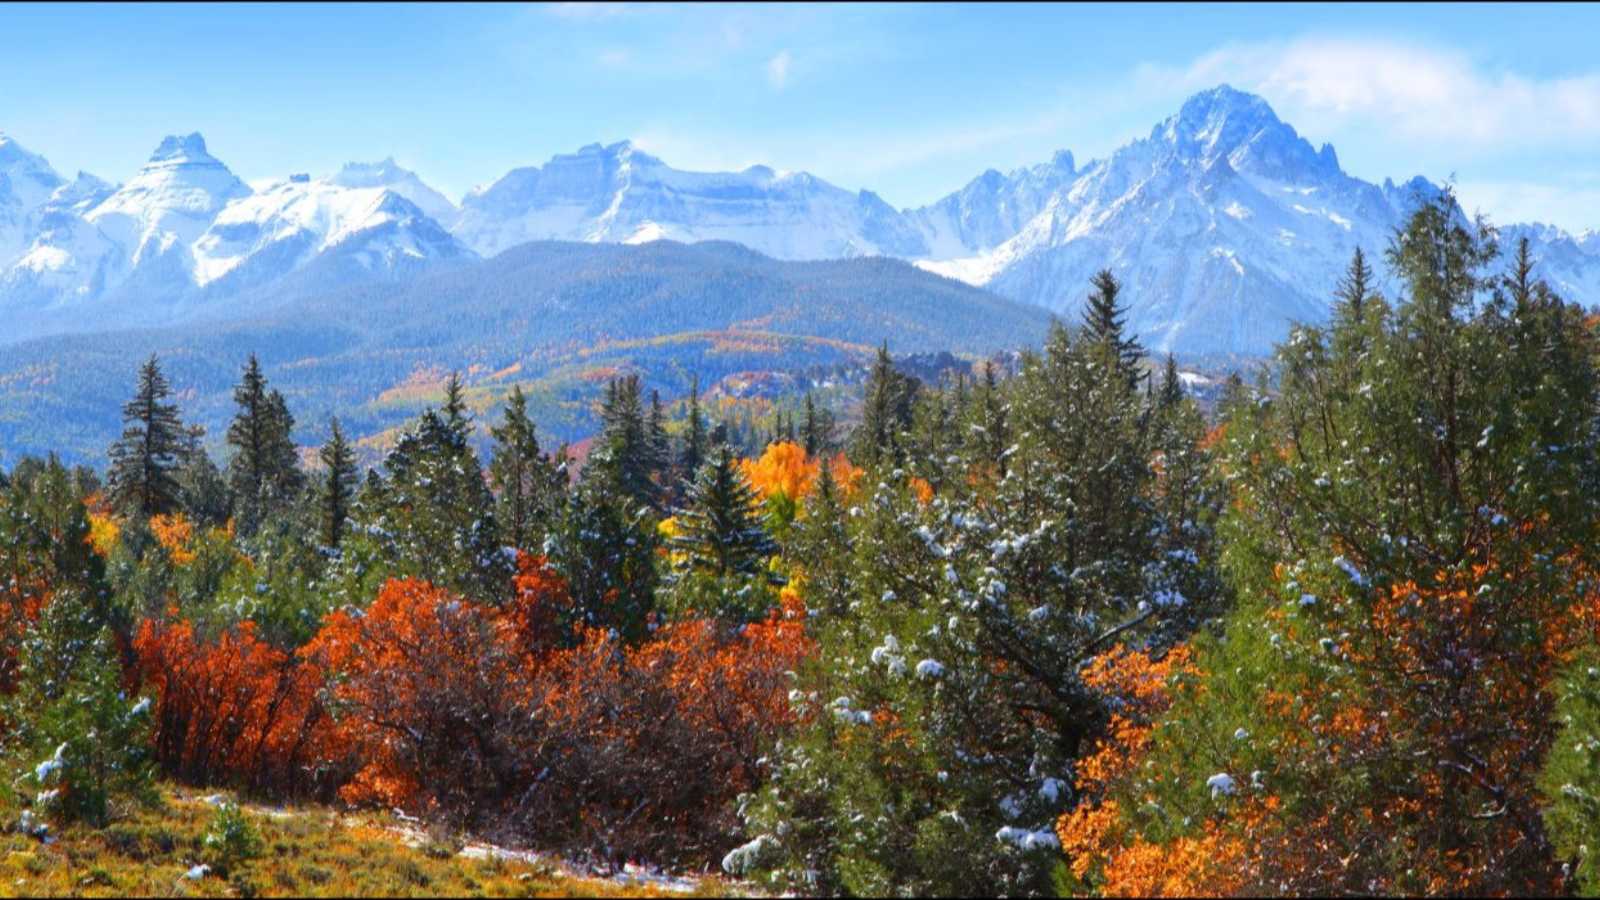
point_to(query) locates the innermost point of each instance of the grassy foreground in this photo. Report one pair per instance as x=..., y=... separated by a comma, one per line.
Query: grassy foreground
x=307, y=851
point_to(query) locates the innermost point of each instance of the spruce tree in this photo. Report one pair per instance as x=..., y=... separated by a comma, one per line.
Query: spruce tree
x=886, y=413
x=530, y=485
x=1104, y=319
x=144, y=461
x=264, y=474
x=720, y=528
x=339, y=481
x=454, y=407
x=624, y=445
x=658, y=444
x=816, y=430
x=694, y=438
x=203, y=492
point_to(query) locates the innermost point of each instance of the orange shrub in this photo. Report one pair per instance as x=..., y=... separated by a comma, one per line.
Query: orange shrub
x=232, y=709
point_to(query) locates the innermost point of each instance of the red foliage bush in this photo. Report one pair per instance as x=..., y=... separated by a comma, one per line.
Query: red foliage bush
x=492, y=718
x=234, y=709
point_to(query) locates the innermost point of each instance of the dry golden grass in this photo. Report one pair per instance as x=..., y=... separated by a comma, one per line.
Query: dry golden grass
x=309, y=851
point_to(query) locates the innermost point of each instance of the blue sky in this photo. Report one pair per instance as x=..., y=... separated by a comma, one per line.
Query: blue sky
x=908, y=100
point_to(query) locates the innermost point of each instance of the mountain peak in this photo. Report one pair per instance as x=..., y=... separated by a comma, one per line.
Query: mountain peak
x=182, y=148
x=1218, y=121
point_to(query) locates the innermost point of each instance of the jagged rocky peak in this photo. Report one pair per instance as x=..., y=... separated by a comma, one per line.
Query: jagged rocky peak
x=188, y=148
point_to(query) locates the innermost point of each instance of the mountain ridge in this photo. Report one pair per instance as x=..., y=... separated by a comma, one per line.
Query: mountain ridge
x=1224, y=223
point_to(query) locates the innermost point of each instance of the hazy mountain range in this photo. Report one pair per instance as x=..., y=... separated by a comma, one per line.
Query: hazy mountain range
x=1224, y=223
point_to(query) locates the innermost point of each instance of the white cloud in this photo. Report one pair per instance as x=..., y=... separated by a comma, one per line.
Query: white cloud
x=1407, y=89
x=1567, y=202
x=778, y=69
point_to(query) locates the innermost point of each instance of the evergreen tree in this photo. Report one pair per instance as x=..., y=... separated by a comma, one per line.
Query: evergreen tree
x=454, y=408
x=338, y=487
x=816, y=431
x=695, y=439
x=144, y=461
x=604, y=545
x=722, y=542
x=430, y=516
x=1407, y=553
x=264, y=473
x=624, y=446
x=203, y=493
x=530, y=484
x=1171, y=392
x=888, y=403
x=1104, y=318
x=658, y=444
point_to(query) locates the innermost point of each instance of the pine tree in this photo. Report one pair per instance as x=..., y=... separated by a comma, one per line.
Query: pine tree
x=695, y=439
x=338, y=488
x=1171, y=392
x=658, y=443
x=264, y=474
x=144, y=461
x=531, y=486
x=454, y=407
x=624, y=445
x=720, y=528
x=203, y=493
x=1104, y=319
x=816, y=431
x=430, y=516
x=604, y=546
x=1355, y=287
x=887, y=407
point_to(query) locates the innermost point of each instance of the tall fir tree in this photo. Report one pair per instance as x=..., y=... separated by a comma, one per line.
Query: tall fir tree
x=695, y=439
x=144, y=461
x=264, y=474
x=1105, y=320
x=529, y=484
x=722, y=542
x=338, y=488
x=887, y=409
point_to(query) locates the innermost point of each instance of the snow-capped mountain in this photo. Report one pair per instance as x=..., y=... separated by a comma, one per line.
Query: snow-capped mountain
x=618, y=193
x=389, y=174
x=1224, y=225
x=991, y=209
x=285, y=225
x=185, y=231
x=26, y=183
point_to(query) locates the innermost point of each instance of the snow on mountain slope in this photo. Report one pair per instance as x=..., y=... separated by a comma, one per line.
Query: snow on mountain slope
x=286, y=224
x=991, y=209
x=186, y=228
x=406, y=183
x=1224, y=225
x=26, y=183
x=617, y=193
x=163, y=209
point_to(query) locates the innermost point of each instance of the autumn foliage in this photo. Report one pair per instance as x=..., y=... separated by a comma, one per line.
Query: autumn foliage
x=509, y=720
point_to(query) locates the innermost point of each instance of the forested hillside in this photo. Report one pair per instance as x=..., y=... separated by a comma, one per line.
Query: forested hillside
x=1036, y=629
x=551, y=317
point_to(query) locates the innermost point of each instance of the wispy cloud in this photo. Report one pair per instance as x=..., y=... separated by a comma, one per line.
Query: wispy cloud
x=778, y=69
x=1409, y=89
x=1567, y=201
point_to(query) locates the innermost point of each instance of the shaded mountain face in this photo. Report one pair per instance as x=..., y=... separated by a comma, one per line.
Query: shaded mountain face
x=619, y=194
x=556, y=318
